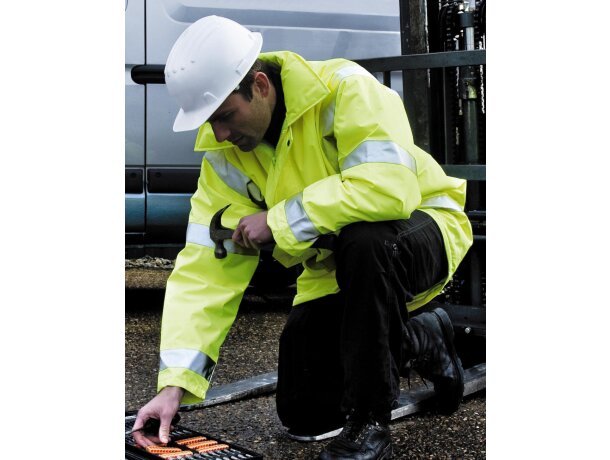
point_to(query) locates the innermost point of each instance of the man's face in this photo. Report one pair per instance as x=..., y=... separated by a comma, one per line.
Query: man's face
x=242, y=122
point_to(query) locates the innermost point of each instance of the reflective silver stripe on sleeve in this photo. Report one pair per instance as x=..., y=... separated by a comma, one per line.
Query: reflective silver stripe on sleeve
x=379, y=152
x=441, y=201
x=194, y=360
x=200, y=234
x=328, y=116
x=232, y=176
x=298, y=220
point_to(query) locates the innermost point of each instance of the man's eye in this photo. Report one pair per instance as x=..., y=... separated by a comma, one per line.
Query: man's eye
x=225, y=117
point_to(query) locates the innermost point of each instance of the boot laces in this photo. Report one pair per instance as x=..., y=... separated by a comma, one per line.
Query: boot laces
x=353, y=430
x=410, y=367
x=356, y=430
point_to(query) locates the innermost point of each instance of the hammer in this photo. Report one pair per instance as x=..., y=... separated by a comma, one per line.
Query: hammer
x=219, y=233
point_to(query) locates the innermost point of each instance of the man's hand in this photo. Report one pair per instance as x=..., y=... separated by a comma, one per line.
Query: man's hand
x=253, y=231
x=163, y=407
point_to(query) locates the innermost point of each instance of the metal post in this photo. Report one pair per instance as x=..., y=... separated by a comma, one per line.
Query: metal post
x=469, y=96
x=468, y=89
x=414, y=40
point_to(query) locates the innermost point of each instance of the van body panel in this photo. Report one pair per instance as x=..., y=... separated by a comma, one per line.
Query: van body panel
x=134, y=212
x=164, y=146
x=135, y=153
x=134, y=32
x=315, y=29
x=134, y=122
x=167, y=215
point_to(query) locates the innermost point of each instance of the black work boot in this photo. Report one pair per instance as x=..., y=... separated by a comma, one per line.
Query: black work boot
x=361, y=439
x=432, y=355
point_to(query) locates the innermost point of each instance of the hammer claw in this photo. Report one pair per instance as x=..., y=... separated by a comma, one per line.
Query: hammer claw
x=219, y=233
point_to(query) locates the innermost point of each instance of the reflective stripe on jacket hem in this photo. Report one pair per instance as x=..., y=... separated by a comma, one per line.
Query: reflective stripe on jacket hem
x=200, y=234
x=193, y=360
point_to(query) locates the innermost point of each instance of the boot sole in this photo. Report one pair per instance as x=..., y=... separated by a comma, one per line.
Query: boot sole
x=385, y=454
x=447, y=328
x=313, y=437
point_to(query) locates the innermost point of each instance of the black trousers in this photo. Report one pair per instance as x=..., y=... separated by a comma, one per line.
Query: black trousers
x=344, y=352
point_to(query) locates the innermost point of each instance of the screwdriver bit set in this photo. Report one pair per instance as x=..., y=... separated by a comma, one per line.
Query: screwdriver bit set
x=186, y=444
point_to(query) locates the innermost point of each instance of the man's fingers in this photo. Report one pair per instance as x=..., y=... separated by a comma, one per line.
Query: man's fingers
x=157, y=417
x=164, y=430
x=237, y=236
x=137, y=435
x=139, y=423
x=240, y=237
x=246, y=240
x=142, y=440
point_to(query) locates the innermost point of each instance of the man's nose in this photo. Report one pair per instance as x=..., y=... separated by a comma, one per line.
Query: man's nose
x=221, y=131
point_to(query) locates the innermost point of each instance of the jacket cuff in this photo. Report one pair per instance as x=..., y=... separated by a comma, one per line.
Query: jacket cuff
x=196, y=386
x=285, y=235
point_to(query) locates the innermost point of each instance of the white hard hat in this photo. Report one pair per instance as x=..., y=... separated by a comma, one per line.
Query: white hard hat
x=206, y=64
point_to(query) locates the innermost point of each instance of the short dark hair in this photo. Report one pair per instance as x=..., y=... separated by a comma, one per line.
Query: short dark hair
x=245, y=86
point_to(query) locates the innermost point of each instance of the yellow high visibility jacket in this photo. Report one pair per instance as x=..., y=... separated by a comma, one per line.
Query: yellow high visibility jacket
x=345, y=154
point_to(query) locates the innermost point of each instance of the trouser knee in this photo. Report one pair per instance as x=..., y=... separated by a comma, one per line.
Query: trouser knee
x=363, y=245
x=366, y=237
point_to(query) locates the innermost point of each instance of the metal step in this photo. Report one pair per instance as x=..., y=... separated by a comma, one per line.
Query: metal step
x=415, y=400
x=235, y=391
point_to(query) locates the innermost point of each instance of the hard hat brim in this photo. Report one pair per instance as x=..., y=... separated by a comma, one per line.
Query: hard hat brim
x=193, y=119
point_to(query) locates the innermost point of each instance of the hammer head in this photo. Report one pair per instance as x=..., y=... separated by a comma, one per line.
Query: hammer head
x=219, y=233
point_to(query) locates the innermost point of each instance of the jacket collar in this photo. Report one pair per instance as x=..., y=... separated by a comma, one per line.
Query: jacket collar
x=302, y=87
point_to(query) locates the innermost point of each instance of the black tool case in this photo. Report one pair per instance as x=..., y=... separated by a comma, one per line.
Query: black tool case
x=233, y=452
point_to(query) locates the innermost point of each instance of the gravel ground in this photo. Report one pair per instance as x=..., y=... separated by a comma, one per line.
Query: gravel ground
x=251, y=348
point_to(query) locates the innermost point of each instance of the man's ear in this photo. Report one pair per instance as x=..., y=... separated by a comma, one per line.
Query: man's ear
x=261, y=81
